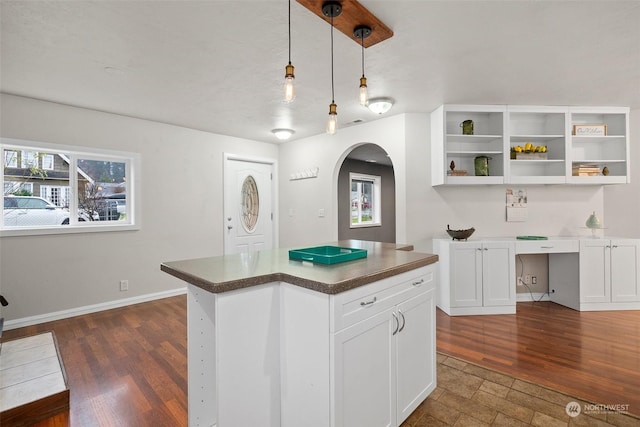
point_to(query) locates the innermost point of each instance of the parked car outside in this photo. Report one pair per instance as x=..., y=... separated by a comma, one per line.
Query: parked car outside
x=27, y=211
x=30, y=211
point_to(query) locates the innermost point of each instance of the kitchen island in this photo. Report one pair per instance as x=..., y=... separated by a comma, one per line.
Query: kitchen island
x=278, y=342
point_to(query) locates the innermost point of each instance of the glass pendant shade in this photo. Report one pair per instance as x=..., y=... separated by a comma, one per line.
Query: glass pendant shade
x=332, y=123
x=289, y=84
x=364, y=94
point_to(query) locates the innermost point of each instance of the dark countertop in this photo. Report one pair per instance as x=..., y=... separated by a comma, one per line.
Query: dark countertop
x=230, y=272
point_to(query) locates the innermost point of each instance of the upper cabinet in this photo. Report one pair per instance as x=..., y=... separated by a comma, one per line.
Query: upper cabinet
x=599, y=145
x=537, y=138
x=513, y=144
x=467, y=143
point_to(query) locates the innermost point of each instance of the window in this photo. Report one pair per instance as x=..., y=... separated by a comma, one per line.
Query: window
x=18, y=188
x=10, y=159
x=47, y=162
x=29, y=160
x=70, y=189
x=365, y=200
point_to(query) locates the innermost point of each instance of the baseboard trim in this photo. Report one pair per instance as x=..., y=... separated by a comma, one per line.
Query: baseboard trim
x=523, y=297
x=77, y=311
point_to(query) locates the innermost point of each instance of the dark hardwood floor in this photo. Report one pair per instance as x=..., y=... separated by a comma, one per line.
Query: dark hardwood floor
x=128, y=366
x=592, y=355
x=125, y=367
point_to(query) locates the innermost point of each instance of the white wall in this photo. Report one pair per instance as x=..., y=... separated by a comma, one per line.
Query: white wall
x=622, y=202
x=181, y=210
x=423, y=212
x=300, y=201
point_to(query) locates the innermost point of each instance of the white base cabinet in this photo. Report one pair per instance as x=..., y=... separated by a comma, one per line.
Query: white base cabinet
x=365, y=357
x=384, y=365
x=476, y=277
x=609, y=274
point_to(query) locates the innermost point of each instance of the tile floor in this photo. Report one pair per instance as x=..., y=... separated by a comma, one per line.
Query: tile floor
x=469, y=395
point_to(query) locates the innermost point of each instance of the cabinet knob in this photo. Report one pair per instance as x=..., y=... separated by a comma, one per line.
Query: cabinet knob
x=229, y=227
x=486, y=249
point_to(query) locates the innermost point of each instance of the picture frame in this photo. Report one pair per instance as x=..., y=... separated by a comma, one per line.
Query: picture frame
x=590, y=130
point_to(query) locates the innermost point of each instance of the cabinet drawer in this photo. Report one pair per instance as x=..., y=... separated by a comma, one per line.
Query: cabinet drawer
x=361, y=303
x=547, y=246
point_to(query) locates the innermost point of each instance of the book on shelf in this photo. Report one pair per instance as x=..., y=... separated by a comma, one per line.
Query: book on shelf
x=585, y=170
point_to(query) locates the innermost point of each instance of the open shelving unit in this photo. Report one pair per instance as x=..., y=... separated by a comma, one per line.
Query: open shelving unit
x=602, y=159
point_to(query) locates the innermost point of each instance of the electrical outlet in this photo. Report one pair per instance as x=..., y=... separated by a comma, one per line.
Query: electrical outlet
x=534, y=280
x=527, y=279
x=124, y=285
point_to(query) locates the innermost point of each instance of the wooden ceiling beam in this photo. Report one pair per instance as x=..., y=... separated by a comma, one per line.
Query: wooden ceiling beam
x=353, y=15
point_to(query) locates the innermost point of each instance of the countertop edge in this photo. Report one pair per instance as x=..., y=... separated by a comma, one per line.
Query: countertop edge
x=317, y=286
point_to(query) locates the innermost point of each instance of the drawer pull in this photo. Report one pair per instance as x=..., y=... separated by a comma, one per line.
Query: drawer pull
x=403, y=321
x=397, y=323
x=418, y=283
x=546, y=247
x=366, y=303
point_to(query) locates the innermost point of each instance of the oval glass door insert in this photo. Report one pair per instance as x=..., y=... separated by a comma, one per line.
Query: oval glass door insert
x=250, y=204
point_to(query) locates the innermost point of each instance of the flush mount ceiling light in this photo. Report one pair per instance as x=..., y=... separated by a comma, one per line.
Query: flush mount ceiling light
x=380, y=105
x=362, y=32
x=283, y=134
x=332, y=9
x=289, y=77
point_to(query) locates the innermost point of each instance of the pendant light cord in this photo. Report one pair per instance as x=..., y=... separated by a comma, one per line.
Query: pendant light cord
x=332, y=92
x=289, y=32
x=362, y=44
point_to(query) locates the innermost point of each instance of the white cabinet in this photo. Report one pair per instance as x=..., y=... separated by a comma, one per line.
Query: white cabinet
x=540, y=127
x=599, y=159
x=476, y=277
x=384, y=365
x=296, y=357
x=451, y=148
x=499, y=129
x=609, y=272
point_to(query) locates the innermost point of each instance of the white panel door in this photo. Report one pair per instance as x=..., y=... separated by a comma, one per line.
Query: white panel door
x=248, y=206
x=595, y=270
x=498, y=274
x=625, y=274
x=364, y=371
x=466, y=274
x=416, y=353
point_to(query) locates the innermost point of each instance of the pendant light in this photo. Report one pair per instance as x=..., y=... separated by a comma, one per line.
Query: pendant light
x=332, y=9
x=362, y=32
x=289, y=77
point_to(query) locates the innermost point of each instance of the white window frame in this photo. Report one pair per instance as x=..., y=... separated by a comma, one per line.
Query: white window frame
x=48, y=162
x=27, y=155
x=26, y=185
x=376, y=203
x=132, y=173
x=11, y=161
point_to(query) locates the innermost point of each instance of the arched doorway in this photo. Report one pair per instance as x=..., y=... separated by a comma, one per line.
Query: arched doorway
x=367, y=195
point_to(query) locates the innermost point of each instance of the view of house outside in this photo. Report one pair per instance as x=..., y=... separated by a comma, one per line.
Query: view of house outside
x=38, y=188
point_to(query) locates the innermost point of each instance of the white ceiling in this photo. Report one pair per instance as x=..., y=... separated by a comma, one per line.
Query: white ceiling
x=218, y=66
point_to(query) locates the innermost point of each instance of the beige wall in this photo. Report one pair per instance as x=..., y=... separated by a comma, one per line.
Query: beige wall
x=181, y=198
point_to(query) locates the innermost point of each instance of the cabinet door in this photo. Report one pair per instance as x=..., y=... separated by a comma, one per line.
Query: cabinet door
x=364, y=371
x=595, y=266
x=416, y=352
x=625, y=283
x=466, y=274
x=498, y=274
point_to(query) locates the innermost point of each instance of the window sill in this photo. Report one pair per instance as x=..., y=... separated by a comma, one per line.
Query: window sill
x=67, y=229
x=377, y=224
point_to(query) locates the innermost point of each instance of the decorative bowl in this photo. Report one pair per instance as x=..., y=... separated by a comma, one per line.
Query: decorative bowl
x=460, y=234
